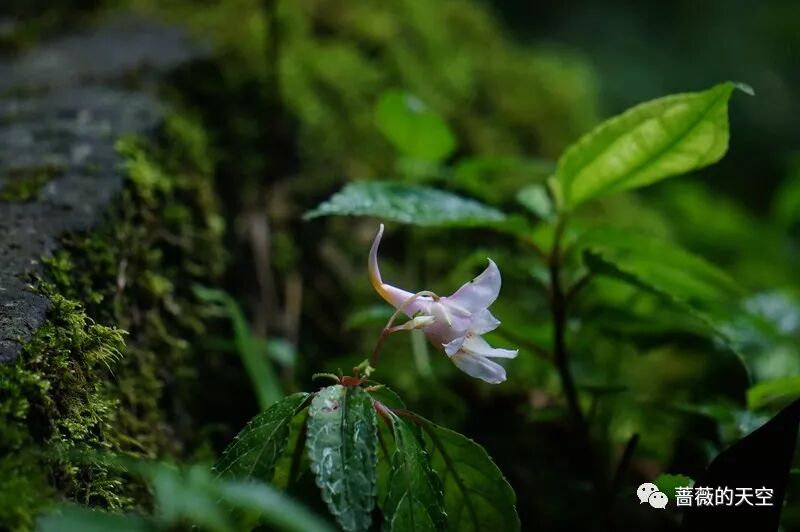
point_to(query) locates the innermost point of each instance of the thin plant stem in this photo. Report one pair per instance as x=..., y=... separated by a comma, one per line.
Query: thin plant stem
x=558, y=307
x=387, y=329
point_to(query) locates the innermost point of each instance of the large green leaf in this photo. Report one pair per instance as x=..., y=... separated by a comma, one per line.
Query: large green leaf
x=413, y=128
x=650, y=142
x=342, y=446
x=658, y=266
x=476, y=495
x=260, y=444
x=409, y=204
x=415, y=500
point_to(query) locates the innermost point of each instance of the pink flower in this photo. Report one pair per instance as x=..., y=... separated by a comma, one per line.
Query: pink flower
x=459, y=320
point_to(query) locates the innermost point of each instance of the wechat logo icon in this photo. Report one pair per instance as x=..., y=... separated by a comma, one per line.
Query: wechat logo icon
x=648, y=493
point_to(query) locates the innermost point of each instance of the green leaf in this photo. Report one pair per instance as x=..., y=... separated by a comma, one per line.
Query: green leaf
x=262, y=376
x=195, y=496
x=658, y=266
x=650, y=142
x=408, y=204
x=188, y=496
x=414, y=129
x=387, y=396
x=495, y=179
x=258, y=446
x=536, y=199
x=415, y=499
x=77, y=519
x=281, y=351
x=766, y=392
x=342, y=446
x=271, y=506
x=667, y=483
x=292, y=463
x=476, y=495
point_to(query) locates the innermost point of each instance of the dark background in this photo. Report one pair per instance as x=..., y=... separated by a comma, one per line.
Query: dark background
x=642, y=49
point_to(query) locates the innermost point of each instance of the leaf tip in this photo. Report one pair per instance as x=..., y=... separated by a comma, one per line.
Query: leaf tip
x=310, y=215
x=744, y=87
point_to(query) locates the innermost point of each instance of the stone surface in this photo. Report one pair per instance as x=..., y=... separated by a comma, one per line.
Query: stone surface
x=63, y=105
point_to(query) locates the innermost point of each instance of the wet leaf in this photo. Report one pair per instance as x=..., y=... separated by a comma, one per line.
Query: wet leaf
x=415, y=498
x=257, y=448
x=476, y=495
x=342, y=446
x=408, y=204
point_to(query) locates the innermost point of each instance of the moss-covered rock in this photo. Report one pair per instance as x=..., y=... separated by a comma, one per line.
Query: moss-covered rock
x=115, y=381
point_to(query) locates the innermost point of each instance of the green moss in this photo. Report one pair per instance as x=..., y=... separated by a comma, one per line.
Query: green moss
x=24, y=184
x=81, y=383
x=54, y=398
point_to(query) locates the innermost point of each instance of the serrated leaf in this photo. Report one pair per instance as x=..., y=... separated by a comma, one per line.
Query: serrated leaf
x=649, y=142
x=257, y=448
x=477, y=496
x=291, y=463
x=415, y=498
x=342, y=447
x=667, y=483
x=657, y=265
x=413, y=128
x=387, y=396
x=408, y=204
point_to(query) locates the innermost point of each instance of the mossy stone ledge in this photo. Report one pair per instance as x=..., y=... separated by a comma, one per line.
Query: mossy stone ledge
x=107, y=220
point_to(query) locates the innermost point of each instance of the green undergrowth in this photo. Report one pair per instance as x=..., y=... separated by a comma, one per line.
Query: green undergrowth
x=112, y=367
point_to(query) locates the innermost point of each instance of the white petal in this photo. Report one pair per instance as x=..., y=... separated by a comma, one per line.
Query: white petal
x=455, y=317
x=478, y=346
x=479, y=367
x=483, y=322
x=452, y=347
x=480, y=292
x=394, y=296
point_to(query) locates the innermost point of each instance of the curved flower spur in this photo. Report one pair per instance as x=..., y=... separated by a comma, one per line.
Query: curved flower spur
x=454, y=324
